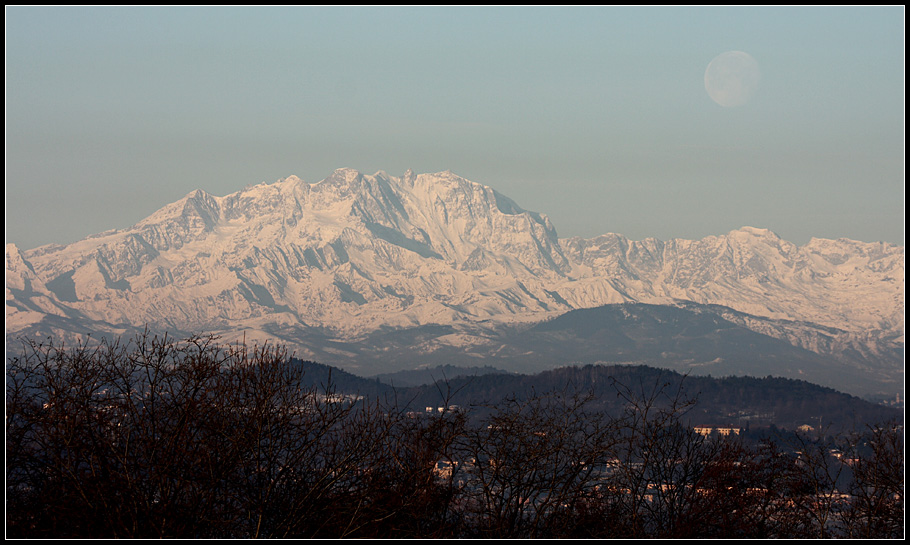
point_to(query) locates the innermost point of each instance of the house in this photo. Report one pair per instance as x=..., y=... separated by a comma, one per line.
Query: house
x=706, y=431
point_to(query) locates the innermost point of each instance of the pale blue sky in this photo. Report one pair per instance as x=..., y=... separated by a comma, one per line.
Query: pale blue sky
x=596, y=116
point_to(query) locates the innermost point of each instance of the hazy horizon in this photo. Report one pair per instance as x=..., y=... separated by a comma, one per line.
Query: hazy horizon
x=595, y=116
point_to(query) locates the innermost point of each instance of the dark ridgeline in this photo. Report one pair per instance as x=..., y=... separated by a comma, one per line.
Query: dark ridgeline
x=156, y=438
x=723, y=401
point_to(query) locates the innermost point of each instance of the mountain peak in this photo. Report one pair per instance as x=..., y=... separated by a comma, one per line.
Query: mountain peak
x=347, y=174
x=756, y=232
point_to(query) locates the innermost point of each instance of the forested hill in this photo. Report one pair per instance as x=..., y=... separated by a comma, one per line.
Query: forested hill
x=728, y=401
x=325, y=377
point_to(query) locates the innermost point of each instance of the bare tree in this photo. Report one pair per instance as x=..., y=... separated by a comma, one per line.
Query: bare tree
x=529, y=462
x=877, y=509
x=813, y=485
x=655, y=459
x=157, y=438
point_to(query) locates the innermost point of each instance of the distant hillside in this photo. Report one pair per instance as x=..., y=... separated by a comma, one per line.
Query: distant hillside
x=418, y=377
x=325, y=376
x=686, y=337
x=693, y=339
x=729, y=401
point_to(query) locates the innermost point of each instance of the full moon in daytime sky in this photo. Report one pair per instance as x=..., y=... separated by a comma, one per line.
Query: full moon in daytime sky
x=731, y=78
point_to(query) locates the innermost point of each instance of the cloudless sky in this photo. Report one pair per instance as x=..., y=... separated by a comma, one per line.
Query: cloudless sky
x=595, y=116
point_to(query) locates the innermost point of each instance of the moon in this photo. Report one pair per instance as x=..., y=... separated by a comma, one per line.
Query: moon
x=731, y=78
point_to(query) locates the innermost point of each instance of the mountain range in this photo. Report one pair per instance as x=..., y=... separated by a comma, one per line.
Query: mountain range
x=377, y=273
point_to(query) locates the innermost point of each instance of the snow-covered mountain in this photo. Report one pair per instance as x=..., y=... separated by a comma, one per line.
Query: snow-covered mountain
x=355, y=254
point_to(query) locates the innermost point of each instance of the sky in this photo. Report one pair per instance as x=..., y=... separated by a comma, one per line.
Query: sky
x=595, y=116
